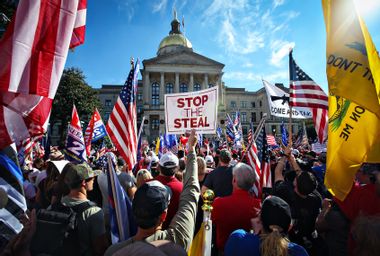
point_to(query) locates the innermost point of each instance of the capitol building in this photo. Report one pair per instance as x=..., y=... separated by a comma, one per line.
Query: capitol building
x=178, y=68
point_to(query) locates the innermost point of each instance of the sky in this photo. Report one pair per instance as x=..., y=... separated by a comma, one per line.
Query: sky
x=251, y=37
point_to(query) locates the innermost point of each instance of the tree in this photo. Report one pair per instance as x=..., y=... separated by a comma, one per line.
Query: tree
x=7, y=9
x=73, y=89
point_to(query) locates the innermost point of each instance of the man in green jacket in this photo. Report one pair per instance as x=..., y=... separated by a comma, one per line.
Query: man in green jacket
x=150, y=206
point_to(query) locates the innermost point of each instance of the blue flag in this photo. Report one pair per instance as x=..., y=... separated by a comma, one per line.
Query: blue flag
x=219, y=132
x=121, y=219
x=11, y=181
x=284, y=135
x=75, y=150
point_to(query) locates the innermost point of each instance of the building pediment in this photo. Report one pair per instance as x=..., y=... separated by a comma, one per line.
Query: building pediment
x=183, y=58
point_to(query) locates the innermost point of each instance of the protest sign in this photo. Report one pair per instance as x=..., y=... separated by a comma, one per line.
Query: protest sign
x=192, y=110
x=279, y=103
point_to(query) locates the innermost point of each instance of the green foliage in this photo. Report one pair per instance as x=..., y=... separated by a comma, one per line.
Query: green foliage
x=73, y=89
x=7, y=9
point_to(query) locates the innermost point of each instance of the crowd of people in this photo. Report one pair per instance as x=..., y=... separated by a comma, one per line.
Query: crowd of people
x=296, y=216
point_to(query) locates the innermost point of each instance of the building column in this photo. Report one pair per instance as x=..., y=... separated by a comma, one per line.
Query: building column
x=220, y=87
x=205, y=82
x=146, y=91
x=191, y=84
x=162, y=88
x=176, y=85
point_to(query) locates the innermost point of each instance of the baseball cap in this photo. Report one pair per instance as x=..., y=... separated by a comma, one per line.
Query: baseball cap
x=169, y=160
x=150, y=200
x=275, y=211
x=78, y=173
x=209, y=159
x=155, y=159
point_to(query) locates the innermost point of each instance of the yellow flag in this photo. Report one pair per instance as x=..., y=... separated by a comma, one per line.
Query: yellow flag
x=354, y=138
x=157, y=146
x=353, y=64
x=353, y=72
x=198, y=245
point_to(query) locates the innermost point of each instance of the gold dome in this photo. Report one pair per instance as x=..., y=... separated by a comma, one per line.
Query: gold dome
x=175, y=39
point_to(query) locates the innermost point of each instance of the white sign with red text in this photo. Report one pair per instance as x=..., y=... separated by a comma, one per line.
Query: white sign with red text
x=192, y=110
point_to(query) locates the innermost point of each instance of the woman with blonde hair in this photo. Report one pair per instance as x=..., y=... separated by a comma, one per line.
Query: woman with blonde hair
x=269, y=237
x=143, y=176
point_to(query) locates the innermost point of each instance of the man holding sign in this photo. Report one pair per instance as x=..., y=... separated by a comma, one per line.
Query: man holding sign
x=194, y=110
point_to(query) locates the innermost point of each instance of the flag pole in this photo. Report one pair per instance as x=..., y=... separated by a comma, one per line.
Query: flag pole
x=290, y=127
x=141, y=127
x=255, y=135
x=290, y=106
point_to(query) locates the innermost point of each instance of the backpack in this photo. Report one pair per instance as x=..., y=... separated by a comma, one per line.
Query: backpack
x=57, y=230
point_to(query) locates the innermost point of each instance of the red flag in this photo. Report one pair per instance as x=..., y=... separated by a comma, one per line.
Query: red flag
x=33, y=53
x=121, y=126
x=90, y=130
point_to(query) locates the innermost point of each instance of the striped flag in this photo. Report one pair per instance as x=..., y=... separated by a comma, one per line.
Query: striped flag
x=250, y=133
x=254, y=162
x=33, y=53
x=271, y=140
x=304, y=92
x=122, y=124
x=11, y=182
x=77, y=37
x=266, y=175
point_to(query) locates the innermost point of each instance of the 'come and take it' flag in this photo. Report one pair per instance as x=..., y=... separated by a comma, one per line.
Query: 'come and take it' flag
x=353, y=71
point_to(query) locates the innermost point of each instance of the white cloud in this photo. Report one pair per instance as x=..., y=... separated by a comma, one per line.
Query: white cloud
x=247, y=64
x=220, y=8
x=279, y=75
x=277, y=3
x=127, y=6
x=280, y=49
x=241, y=76
x=160, y=6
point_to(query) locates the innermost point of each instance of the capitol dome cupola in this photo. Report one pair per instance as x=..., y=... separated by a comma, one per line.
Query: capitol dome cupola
x=175, y=41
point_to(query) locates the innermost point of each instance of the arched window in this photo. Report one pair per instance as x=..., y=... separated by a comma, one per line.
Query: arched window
x=261, y=103
x=183, y=87
x=197, y=87
x=169, y=88
x=155, y=94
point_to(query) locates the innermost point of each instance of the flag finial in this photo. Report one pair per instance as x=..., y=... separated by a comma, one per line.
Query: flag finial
x=132, y=63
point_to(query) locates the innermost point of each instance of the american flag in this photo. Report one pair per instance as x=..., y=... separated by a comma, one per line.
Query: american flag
x=33, y=53
x=266, y=175
x=122, y=124
x=254, y=162
x=271, y=140
x=250, y=133
x=304, y=92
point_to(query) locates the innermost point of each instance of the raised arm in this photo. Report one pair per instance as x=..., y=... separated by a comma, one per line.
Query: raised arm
x=182, y=225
